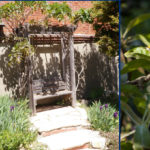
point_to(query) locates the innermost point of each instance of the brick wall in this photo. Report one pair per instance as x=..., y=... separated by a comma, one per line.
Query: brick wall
x=75, y=5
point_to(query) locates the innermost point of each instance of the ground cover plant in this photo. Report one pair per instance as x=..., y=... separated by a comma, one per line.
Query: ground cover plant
x=15, y=132
x=103, y=117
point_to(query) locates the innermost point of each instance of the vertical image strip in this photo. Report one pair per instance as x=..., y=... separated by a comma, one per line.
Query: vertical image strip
x=135, y=75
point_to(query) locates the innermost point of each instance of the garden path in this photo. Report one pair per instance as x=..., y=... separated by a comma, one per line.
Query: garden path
x=67, y=128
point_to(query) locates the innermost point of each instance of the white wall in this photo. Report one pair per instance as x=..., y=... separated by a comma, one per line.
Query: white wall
x=98, y=69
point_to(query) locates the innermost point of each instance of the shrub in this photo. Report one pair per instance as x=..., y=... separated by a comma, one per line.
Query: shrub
x=15, y=127
x=103, y=117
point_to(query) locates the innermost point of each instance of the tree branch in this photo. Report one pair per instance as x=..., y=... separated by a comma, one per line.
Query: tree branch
x=79, y=75
x=139, y=80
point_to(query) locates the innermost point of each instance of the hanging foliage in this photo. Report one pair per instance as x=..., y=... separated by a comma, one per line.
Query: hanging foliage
x=83, y=15
x=15, y=13
x=60, y=11
x=20, y=51
x=105, y=19
x=106, y=25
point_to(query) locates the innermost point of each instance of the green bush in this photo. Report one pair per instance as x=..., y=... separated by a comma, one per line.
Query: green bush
x=15, y=127
x=103, y=117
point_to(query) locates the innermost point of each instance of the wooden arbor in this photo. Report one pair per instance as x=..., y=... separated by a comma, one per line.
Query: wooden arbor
x=52, y=35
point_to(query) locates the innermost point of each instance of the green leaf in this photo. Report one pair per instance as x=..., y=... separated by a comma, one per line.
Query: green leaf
x=136, y=22
x=141, y=56
x=128, y=110
x=82, y=15
x=135, y=74
x=124, y=99
x=144, y=40
x=130, y=90
x=138, y=50
x=140, y=104
x=126, y=146
x=58, y=11
x=142, y=136
x=136, y=64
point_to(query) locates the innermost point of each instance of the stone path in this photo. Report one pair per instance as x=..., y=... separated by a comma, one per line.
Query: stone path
x=67, y=128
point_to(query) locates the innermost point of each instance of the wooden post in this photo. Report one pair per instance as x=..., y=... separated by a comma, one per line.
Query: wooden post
x=72, y=69
x=31, y=102
x=63, y=58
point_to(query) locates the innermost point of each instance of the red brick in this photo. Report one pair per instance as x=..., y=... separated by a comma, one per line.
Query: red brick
x=75, y=5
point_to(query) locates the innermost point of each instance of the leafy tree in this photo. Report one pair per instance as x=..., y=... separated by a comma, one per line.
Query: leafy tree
x=105, y=19
x=16, y=13
x=60, y=11
x=106, y=25
x=135, y=93
x=83, y=15
x=131, y=9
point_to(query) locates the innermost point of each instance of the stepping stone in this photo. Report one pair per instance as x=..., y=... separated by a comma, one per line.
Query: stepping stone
x=90, y=149
x=60, y=118
x=73, y=139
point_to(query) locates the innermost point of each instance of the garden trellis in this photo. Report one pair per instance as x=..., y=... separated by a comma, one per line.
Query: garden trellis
x=62, y=35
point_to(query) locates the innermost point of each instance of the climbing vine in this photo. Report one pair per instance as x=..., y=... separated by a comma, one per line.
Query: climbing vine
x=105, y=19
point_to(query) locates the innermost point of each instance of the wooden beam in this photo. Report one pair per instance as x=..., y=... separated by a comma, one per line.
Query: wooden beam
x=57, y=94
x=72, y=69
x=31, y=102
x=63, y=58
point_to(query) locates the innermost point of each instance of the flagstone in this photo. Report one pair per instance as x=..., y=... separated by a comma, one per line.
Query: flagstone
x=71, y=139
x=59, y=118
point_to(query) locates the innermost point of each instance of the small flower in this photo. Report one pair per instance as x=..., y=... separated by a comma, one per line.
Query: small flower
x=12, y=108
x=115, y=115
x=101, y=107
x=106, y=105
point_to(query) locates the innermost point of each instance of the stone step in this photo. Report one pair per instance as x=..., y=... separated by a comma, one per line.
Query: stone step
x=80, y=147
x=73, y=139
x=48, y=133
x=60, y=118
x=90, y=149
